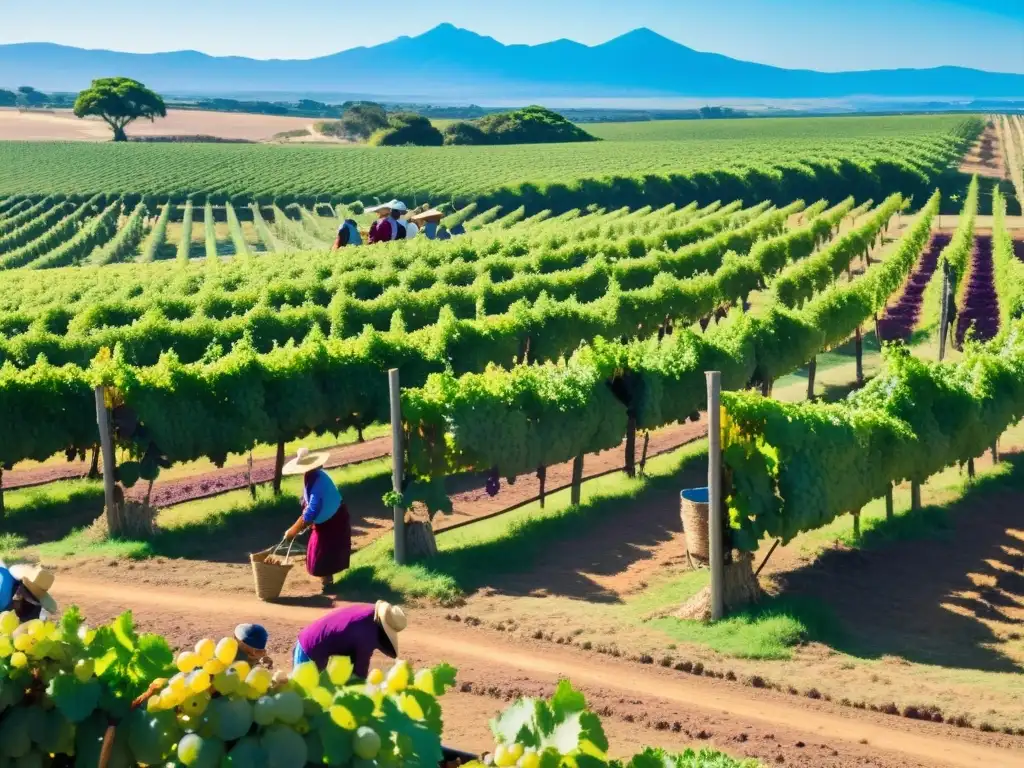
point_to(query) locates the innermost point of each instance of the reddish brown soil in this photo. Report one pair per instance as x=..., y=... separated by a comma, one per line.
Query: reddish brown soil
x=640, y=705
x=900, y=319
x=985, y=158
x=211, y=483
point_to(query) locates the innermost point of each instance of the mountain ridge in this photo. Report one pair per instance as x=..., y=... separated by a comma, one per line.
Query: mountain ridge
x=448, y=62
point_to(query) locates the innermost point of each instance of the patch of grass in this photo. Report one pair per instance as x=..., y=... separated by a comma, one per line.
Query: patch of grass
x=471, y=557
x=768, y=631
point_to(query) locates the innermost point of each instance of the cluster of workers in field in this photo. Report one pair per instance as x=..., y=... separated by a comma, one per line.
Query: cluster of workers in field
x=354, y=630
x=396, y=222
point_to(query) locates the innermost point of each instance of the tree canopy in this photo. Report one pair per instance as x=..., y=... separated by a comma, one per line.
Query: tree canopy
x=8, y=98
x=407, y=128
x=119, y=101
x=531, y=125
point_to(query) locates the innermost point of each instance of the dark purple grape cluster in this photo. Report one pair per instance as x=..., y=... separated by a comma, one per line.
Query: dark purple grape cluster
x=493, y=484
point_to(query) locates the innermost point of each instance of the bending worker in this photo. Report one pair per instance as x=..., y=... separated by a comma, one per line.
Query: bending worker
x=355, y=631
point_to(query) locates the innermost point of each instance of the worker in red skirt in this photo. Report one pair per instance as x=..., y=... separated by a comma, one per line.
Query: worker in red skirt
x=323, y=510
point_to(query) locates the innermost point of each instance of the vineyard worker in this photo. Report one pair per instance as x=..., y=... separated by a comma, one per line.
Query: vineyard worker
x=400, y=230
x=348, y=234
x=381, y=230
x=25, y=589
x=252, y=644
x=325, y=512
x=355, y=631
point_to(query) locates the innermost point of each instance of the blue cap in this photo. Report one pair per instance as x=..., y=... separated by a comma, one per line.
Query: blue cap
x=253, y=635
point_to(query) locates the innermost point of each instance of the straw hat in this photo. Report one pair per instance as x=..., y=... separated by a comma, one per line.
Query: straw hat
x=304, y=462
x=398, y=205
x=392, y=619
x=38, y=581
x=376, y=208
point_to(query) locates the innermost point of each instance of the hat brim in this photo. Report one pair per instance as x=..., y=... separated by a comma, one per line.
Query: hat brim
x=378, y=208
x=307, y=464
x=45, y=599
x=379, y=611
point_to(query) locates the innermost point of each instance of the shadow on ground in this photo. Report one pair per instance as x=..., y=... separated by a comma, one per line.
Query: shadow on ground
x=925, y=586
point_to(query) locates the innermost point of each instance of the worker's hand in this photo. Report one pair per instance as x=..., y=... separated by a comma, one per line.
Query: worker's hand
x=292, y=532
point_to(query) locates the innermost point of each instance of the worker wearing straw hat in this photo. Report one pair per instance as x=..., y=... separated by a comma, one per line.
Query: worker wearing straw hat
x=25, y=589
x=383, y=230
x=324, y=511
x=355, y=631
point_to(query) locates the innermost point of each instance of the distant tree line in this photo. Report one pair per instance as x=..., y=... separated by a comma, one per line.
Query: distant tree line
x=27, y=97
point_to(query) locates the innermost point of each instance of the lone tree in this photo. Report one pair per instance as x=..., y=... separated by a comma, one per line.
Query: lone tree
x=119, y=101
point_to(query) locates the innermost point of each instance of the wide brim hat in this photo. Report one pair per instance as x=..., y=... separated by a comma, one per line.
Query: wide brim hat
x=376, y=208
x=392, y=620
x=304, y=462
x=398, y=205
x=38, y=582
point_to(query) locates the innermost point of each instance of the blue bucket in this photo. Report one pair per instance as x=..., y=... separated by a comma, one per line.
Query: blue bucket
x=693, y=513
x=696, y=495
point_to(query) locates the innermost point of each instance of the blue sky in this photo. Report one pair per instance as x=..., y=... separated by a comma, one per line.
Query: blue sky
x=817, y=34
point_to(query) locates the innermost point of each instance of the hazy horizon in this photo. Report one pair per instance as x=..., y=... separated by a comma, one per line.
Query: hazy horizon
x=798, y=34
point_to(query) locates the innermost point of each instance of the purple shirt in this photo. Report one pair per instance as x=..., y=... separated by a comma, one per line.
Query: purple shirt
x=380, y=230
x=351, y=631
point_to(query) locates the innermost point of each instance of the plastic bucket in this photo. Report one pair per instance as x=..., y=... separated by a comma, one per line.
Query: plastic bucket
x=693, y=510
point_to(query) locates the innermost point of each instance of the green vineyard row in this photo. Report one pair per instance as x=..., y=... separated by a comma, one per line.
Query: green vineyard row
x=873, y=165
x=418, y=294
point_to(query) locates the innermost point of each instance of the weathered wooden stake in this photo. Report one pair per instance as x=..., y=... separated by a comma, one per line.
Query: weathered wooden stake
x=542, y=476
x=107, y=445
x=856, y=524
x=577, y=480
x=915, y=495
x=631, y=446
x=278, y=468
x=889, y=505
x=859, y=348
x=971, y=474
x=643, y=453
x=717, y=555
x=397, y=460
x=812, y=372
x=995, y=452
x=94, y=466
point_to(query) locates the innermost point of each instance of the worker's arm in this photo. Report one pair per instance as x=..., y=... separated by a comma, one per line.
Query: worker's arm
x=299, y=526
x=361, y=661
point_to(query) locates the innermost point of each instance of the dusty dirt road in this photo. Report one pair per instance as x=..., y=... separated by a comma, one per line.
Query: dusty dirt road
x=640, y=704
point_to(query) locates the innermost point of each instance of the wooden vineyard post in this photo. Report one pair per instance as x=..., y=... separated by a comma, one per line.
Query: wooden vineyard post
x=278, y=468
x=577, y=481
x=716, y=553
x=971, y=474
x=859, y=347
x=631, y=445
x=107, y=446
x=94, y=466
x=856, y=524
x=995, y=452
x=643, y=452
x=915, y=495
x=397, y=459
x=542, y=478
x=812, y=372
x=889, y=506
x=944, y=321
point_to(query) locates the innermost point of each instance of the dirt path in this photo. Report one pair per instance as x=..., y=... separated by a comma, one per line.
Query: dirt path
x=673, y=709
x=985, y=158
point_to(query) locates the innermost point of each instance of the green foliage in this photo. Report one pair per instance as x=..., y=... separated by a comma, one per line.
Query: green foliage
x=774, y=159
x=530, y=125
x=797, y=467
x=359, y=121
x=119, y=101
x=1009, y=270
x=123, y=245
x=62, y=685
x=405, y=129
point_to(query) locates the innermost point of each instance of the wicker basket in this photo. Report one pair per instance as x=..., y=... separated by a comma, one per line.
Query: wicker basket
x=269, y=571
x=693, y=509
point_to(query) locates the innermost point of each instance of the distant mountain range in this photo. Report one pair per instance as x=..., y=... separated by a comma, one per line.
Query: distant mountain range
x=448, y=63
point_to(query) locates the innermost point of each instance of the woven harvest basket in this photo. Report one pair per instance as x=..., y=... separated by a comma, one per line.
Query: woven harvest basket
x=693, y=510
x=269, y=571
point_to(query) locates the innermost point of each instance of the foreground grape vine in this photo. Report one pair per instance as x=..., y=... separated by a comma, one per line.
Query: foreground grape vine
x=111, y=697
